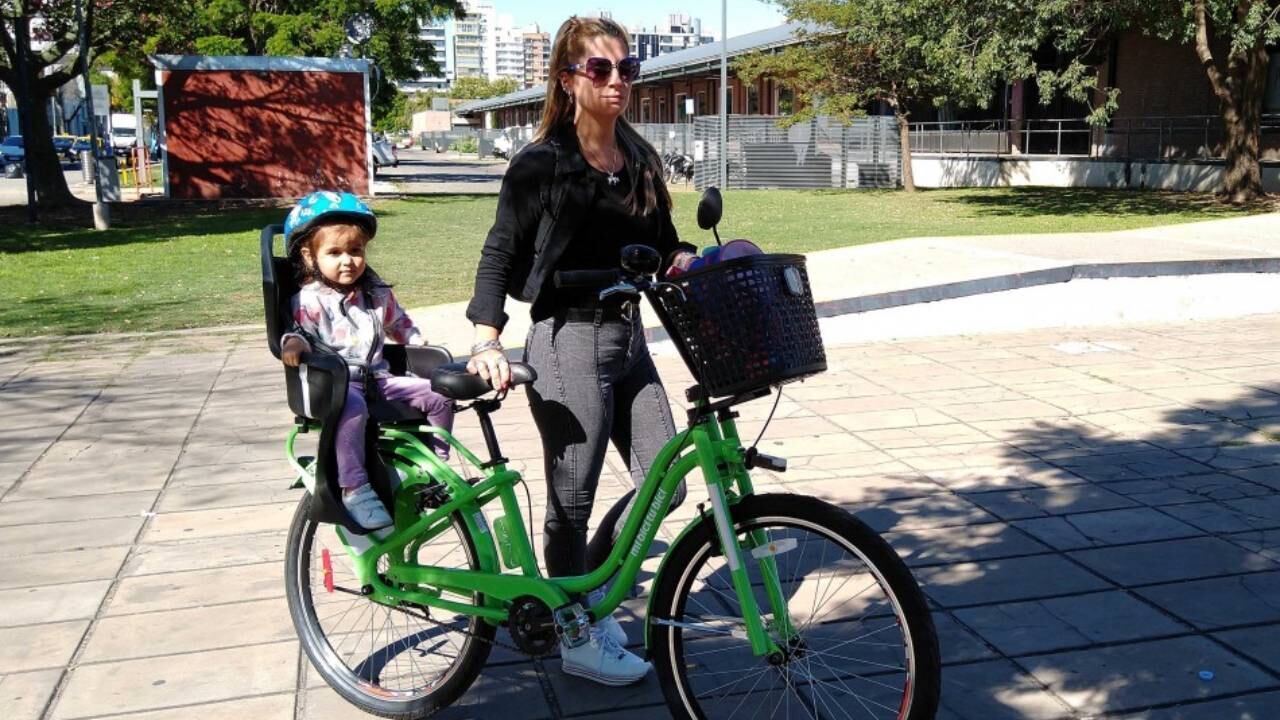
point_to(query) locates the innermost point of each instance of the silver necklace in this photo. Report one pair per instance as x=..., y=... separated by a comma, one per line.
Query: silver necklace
x=612, y=175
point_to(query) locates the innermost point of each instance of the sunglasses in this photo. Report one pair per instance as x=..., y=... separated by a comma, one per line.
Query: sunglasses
x=600, y=69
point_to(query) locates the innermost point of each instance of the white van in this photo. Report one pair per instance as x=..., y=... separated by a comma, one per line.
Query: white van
x=124, y=132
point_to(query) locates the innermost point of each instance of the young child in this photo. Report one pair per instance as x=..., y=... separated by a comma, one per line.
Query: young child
x=343, y=305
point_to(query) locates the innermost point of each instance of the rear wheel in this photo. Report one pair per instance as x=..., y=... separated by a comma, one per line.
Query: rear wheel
x=863, y=645
x=393, y=662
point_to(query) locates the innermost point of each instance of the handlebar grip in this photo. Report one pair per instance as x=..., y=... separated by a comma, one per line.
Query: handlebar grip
x=585, y=278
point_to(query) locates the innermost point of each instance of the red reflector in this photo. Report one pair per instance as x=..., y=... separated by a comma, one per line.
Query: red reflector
x=328, y=569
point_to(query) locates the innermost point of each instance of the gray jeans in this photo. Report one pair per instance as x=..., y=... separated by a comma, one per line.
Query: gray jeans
x=596, y=383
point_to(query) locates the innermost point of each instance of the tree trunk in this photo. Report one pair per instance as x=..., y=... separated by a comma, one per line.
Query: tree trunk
x=1242, y=119
x=904, y=140
x=42, y=159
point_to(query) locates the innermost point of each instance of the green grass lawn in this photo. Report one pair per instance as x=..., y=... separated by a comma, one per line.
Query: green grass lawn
x=165, y=267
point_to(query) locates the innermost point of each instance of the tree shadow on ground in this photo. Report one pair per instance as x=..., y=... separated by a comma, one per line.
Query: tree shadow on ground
x=1042, y=201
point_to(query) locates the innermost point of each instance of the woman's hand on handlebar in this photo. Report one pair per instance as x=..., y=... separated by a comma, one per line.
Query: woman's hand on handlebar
x=491, y=365
x=680, y=263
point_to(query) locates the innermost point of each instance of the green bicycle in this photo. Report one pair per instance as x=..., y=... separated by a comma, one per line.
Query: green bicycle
x=770, y=605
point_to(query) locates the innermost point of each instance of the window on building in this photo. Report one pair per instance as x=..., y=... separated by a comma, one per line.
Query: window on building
x=681, y=114
x=729, y=100
x=702, y=103
x=786, y=101
x=1271, y=102
x=646, y=111
x=662, y=110
x=753, y=100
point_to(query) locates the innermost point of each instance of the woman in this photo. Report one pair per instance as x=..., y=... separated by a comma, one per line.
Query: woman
x=586, y=187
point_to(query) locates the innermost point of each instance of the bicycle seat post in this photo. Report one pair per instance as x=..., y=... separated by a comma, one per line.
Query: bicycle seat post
x=483, y=409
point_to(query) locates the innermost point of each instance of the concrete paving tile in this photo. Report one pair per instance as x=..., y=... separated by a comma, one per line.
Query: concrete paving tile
x=958, y=644
x=53, y=479
x=1256, y=706
x=1005, y=410
x=921, y=513
x=1183, y=490
x=1263, y=542
x=85, y=507
x=1265, y=476
x=996, y=690
x=61, y=567
x=866, y=489
x=509, y=692
x=52, y=603
x=1135, y=465
x=1041, y=502
x=1105, y=402
x=188, y=630
x=1230, y=516
x=886, y=419
x=576, y=697
x=1237, y=457
x=172, y=591
x=946, y=457
x=923, y=436
x=39, y=647
x=206, y=497
x=17, y=540
x=994, y=581
x=163, y=682
x=1109, y=527
x=1013, y=476
x=1056, y=623
x=1260, y=644
x=246, y=472
x=1134, y=676
x=965, y=543
x=199, y=454
x=646, y=712
x=927, y=382
x=832, y=444
x=205, y=554
x=1221, y=602
x=1171, y=560
x=219, y=522
x=24, y=695
x=268, y=707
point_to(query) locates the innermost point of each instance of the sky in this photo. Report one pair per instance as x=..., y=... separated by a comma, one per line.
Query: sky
x=744, y=15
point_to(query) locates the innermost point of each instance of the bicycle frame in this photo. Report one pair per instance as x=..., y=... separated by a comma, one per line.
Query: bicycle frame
x=710, y=444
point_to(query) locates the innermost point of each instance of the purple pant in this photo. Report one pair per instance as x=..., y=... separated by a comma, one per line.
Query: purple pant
x=415, y=392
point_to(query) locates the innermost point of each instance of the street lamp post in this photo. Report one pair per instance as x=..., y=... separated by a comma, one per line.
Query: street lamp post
x=101, y=211
x=724, y=93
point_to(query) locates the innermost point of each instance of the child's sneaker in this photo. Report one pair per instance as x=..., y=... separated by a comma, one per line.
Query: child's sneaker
x=366, y=508
x=602, y=660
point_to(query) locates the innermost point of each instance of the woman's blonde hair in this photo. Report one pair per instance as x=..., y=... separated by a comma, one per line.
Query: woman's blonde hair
x=643, y=163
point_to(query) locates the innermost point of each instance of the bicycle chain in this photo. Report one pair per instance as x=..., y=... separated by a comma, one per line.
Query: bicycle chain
x=496, y=643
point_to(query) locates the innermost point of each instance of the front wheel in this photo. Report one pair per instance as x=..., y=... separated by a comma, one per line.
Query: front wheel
x=857, y=641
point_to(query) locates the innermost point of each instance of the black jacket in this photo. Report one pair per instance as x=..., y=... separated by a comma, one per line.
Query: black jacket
x=545, y=195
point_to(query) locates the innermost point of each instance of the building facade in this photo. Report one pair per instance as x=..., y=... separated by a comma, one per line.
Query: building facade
x=439, y=34
x=680, y=33
x=537, y=58
x=474, y=46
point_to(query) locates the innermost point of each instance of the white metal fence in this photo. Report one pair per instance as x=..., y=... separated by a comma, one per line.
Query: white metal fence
x=818, y=153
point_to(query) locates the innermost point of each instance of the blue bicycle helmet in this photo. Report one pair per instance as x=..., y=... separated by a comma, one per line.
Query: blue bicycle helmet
x=327, y=206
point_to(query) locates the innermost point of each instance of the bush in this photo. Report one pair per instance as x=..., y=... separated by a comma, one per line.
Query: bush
x=465, y=145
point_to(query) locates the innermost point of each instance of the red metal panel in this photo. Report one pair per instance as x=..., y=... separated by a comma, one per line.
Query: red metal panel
x=254, y=134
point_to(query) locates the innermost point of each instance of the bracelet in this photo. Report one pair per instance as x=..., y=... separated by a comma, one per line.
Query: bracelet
x=486, y=345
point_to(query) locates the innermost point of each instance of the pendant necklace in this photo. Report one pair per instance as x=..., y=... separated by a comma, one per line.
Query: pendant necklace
x=613, y=177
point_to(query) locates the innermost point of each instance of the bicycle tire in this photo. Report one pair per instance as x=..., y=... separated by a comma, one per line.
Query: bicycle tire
x=671, y=595
x=462, y=672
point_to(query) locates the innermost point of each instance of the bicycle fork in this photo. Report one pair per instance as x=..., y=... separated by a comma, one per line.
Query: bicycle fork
x=720, y=473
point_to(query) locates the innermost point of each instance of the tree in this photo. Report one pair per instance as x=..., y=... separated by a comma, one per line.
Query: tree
x=45, y=45
x=904, y=53
x=479, y=88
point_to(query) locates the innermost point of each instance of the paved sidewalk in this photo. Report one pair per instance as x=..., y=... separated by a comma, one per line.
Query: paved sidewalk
x=1095, y=515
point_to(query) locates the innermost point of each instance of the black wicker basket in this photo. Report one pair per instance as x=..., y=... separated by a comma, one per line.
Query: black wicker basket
x=744, y=324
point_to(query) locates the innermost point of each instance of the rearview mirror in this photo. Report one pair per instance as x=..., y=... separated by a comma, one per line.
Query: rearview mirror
x=640, y=259
x=710, y=208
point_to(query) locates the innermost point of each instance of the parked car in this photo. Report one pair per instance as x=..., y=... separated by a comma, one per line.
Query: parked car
x=13, y=148
x=62, y=145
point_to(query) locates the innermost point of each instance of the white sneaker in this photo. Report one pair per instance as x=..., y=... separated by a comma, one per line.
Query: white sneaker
x=366, y=508
x=602, y=660
x=607, y=625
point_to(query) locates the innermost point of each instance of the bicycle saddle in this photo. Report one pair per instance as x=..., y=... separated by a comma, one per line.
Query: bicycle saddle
x=454, y=382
